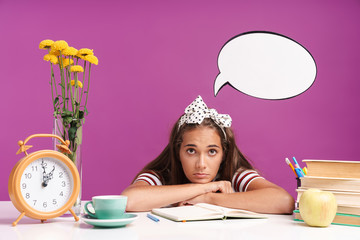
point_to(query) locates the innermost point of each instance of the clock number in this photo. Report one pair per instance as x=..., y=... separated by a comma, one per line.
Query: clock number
x=28, y=175
x=45, y=204
x=54, y=201
x=34, y=168
x=63, y=184
x=61, y=193
x=27, y=195
x=61, y=174
x=24, y=186
x=34, y=202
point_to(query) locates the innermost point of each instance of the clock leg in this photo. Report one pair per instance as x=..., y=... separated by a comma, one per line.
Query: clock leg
x=18, y=219
x=73, y=213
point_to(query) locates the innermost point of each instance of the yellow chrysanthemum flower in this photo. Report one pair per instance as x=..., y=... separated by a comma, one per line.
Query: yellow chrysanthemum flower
x=59, y=45
x=79, y=83
x=66, y=62
x=55, y=52
x=84, y=52
x=47, y=57
x=53, y=59
x=76, y=68
x=69, y=51
x=91, y=59
x=45, y=44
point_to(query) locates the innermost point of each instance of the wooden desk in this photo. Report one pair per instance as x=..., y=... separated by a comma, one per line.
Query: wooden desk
x=276, y=227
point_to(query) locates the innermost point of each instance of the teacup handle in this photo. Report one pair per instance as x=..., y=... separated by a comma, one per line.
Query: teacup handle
x=87, y=210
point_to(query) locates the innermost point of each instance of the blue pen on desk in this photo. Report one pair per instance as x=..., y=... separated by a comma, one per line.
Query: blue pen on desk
x=155, y=219
x=298, y=170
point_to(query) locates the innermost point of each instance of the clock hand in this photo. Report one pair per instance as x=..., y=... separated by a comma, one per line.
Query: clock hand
x=48, y=177
x=51, y=174
x=43, y=166
x=45, y=176
x=45, y=181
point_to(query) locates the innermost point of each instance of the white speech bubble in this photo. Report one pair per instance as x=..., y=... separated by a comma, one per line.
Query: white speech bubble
x=265, y=65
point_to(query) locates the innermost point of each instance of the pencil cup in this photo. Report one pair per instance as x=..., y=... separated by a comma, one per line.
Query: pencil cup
x=298, y=182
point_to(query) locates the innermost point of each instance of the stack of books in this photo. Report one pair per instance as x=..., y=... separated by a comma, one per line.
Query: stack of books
x=342, y=178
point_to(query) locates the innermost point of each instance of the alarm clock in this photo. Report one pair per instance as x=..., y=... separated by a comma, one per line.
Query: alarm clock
x=44, y=184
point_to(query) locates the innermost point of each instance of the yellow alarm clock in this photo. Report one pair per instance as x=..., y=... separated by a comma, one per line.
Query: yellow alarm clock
x=44, y=184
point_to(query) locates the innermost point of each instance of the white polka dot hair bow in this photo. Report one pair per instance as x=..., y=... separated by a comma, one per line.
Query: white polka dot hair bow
x=197, y=111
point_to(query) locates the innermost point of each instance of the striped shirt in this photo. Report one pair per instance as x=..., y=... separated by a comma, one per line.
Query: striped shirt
x=242, y=179
x=240, y=182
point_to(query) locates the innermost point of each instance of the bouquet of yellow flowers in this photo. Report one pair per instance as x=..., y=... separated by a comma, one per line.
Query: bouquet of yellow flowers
x=69, y=93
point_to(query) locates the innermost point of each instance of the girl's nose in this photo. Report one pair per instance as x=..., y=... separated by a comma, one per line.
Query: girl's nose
x=201, y=162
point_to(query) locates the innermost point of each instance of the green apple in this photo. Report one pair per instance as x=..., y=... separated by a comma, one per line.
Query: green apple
x=317, y=208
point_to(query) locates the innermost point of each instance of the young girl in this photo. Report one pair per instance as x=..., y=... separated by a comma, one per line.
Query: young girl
x=202, y=163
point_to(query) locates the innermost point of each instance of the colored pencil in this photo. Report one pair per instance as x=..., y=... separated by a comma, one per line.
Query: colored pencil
x=290, y=165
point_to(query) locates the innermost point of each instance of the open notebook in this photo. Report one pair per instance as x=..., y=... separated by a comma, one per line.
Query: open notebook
x=203, y=211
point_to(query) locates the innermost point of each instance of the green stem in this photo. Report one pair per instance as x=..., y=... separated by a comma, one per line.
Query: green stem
x=62, y=82
x=75, y=94
x=82, y=92
x=88, y=86
x=67, y=85
x=53, y=78
x=51, y=83
x=72, y=97
x=52, y=89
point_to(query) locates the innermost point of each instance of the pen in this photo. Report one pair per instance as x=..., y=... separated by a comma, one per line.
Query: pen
x=290, y=165
x=155, y=219
x=298, y=170
x=305, y=170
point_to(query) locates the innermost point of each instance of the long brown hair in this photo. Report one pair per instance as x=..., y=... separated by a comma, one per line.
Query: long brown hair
x=168, y=166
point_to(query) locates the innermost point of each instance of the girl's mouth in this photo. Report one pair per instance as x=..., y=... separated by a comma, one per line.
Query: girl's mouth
x=201, y=175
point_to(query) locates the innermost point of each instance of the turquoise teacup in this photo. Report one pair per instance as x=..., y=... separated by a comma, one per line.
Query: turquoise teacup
x=107, y=206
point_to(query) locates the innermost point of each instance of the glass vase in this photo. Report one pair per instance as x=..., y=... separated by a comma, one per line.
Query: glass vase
x=72, y=130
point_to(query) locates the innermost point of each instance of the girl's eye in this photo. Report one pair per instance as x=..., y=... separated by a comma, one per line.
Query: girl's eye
x=190, y=151
x=212, y=152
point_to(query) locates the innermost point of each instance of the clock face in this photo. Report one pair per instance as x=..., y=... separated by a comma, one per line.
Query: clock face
x=46, y=184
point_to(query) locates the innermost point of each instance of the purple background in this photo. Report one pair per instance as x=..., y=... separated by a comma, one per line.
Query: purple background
x=155, y=57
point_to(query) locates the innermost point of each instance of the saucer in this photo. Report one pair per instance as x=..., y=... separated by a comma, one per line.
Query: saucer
x=120, y=222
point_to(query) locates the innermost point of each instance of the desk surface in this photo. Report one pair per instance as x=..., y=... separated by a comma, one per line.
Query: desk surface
x=275, y=227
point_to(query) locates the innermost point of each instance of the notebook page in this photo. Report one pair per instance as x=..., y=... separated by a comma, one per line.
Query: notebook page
x=231, y=211
x=187, y=213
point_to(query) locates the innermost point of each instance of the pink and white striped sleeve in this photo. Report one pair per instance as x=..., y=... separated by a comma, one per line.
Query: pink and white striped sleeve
x=150, y=177
x=242, y=178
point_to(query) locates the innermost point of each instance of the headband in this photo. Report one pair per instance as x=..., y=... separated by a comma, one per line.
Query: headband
x=197, y=111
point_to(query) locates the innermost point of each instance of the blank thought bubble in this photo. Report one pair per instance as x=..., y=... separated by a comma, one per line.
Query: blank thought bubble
x=265, y=65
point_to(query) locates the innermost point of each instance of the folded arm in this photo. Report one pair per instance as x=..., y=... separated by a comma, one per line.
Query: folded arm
x=144, y=197
x=261, y=196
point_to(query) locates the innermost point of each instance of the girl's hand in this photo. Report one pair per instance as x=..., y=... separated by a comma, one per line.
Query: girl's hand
x=212, y=187
x=218, y=186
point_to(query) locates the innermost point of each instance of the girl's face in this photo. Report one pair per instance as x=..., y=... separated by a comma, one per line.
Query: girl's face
x=201, y=154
